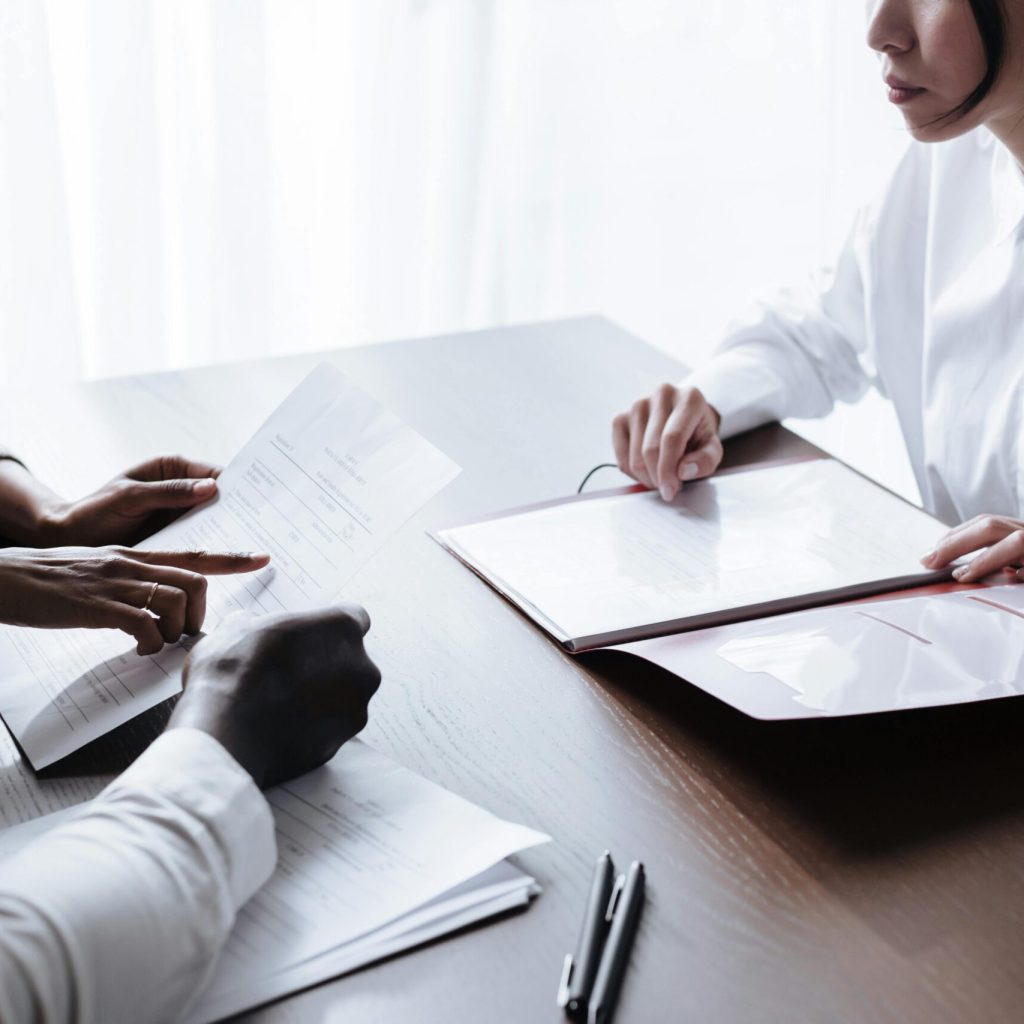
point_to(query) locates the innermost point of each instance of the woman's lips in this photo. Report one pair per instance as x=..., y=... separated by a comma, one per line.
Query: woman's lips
x=901, y=92
x=901, y=96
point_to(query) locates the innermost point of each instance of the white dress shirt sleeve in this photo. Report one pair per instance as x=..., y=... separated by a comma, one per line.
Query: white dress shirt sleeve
x=119, y=914
x=798, y=355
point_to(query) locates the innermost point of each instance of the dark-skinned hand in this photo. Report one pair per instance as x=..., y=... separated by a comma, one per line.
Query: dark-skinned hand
x=281, y=693
x=154, y=596
x=132, y=506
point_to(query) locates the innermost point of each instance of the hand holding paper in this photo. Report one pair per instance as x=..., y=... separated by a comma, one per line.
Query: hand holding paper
x=320, y=487
x=133, y=505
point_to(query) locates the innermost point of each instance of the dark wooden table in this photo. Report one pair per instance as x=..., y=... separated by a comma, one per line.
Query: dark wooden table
x=867, y=869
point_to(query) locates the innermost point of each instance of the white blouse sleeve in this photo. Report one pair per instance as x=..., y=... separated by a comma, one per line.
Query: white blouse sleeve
x=119, y=914
x=799, y=354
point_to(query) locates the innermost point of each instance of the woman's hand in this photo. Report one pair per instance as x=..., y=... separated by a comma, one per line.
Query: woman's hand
x=1002, y=538
x=131, y=506
x=668, y=438
x=154, y=596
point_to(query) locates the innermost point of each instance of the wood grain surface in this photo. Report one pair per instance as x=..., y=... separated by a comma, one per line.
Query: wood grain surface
x=865, y=869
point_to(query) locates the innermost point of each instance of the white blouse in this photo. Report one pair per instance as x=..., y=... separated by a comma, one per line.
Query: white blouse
x=926, y=304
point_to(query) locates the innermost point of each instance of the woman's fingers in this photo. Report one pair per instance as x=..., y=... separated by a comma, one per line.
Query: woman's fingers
x=663, y=408
x=172, y=467
x=174, y=585
x=186, y=571
x=980, y=532
x=1008, y=551
x=667, y=439
x=151, y=496
x=702, y=461
x=173, y=607
x=138, y=624
x=620, y=441
x=208, y=563
x=191, y=585
x=930, y=559
x=682, y=430
x=636, y=467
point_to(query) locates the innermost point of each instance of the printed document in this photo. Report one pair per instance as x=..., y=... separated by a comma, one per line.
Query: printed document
x=321, y=486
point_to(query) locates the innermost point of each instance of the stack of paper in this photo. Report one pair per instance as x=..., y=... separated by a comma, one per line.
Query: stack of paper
x=373, y=859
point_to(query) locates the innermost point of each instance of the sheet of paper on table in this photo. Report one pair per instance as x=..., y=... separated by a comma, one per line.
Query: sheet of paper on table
x=373, y=859
x=322, y=485
x=870, y=656
x=618, y=567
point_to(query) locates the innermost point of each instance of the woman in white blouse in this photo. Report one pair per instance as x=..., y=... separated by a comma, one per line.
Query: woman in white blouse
x=926, y=302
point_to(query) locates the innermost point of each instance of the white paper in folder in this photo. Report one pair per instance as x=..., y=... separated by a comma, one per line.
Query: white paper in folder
x=322, y=485
x=617, y=567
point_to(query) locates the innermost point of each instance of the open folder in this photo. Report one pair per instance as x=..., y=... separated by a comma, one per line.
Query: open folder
x=625, y=565
x=713, y=585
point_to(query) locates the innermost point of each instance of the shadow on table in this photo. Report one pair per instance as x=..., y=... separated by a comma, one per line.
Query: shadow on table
x=111, y=753
x=870, y=784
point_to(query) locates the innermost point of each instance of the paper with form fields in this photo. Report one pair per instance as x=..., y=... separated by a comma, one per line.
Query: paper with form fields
x=916, y=651
x=25, y=796
x=618, y=567
x=321, y=486
x=372, y=859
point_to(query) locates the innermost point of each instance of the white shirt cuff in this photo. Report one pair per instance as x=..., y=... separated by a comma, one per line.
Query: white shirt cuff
x=741, y=388
x=192, y=769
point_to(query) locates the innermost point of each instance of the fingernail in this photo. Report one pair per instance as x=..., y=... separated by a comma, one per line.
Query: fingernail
x=961, y=572
x=203, y=486
x=926, y=559
x=690, y=471
x=666, y=492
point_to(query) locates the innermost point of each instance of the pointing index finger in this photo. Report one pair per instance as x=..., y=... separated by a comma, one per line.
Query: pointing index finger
x=209, y=563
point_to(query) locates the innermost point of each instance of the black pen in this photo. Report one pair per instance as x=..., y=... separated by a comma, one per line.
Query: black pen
x=626, y=914
x=579, y=971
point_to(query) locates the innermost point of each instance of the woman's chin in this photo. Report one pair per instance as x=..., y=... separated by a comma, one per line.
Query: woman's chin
x=936, y=128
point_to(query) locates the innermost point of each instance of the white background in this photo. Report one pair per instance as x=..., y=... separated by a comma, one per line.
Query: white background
x=185, y=182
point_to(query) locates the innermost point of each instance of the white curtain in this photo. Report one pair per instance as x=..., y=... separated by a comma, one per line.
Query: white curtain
x=184, y=182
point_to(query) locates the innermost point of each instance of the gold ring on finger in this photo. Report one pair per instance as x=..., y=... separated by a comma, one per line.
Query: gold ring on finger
x=152, y=594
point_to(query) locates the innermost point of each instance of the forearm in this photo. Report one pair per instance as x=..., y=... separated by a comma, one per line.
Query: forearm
x=782, y=366
x=27, y=505
x=120, y=914
x=798, y=355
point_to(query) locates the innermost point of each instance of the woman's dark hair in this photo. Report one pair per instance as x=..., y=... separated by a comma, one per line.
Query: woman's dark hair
x=991, y=21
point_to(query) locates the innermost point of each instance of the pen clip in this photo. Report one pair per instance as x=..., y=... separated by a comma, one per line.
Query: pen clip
x=563, y=985
x=613, y=900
